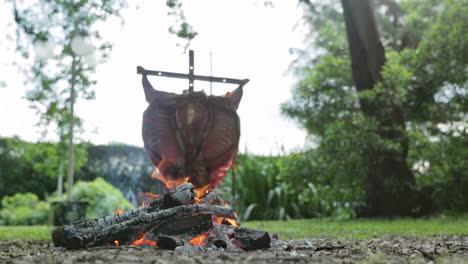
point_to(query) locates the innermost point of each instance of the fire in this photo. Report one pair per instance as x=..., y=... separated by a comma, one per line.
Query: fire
x=233, y=222
x=199, y=240
x=118, y=211
x=220, y=220
x=116, y=242
x=170, y=184
x=144, y=241
x=202, y=191
x=152, y=195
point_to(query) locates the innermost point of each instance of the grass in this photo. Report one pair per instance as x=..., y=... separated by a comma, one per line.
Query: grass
x=25, y=233
x=303, y=228
x=362, y=228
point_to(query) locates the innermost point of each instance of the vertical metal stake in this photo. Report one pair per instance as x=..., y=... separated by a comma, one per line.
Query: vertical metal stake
x=191, y=70
x=211, y=74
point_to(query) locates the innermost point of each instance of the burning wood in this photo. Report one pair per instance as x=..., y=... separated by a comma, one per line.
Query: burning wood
x=187, y=227
x=128, y=226
x=192, y=140
x=171, y=215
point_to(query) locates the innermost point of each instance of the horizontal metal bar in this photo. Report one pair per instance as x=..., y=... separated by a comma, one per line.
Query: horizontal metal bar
x=187, y=76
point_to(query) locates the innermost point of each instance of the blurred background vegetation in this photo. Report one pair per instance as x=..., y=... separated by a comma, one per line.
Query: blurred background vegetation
x=425, y=77
x=283, y=187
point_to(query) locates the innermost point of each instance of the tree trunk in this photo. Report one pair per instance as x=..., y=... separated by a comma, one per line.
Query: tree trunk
x=71, y=149
x=60, y=181
x=389, y=184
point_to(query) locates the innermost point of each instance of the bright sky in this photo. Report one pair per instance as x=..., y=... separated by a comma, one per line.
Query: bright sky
x=246, y=39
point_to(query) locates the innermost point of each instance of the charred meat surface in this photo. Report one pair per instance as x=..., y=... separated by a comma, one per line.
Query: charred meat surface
x=191, y=137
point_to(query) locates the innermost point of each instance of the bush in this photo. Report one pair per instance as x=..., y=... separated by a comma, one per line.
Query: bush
x=290, y=186
x=103, y=198
x=24, y=209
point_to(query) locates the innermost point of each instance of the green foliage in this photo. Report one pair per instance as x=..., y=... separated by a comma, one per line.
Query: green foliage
x=441, y=169
x=259, y=195
x=103, y=198
x=57, y=79
x=425, y=75
x=32, y=167
x=291, y=186
x=24, y=209
x=182, y=29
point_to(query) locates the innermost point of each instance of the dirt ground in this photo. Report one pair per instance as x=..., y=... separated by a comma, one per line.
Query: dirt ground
x=440, y=249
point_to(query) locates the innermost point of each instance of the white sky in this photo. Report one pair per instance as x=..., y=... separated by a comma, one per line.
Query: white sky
x=247, y=40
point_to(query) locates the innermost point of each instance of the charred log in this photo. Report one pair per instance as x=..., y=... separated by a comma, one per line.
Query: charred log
x=183, y=194
x=249, y=239
x=186, y=227
x=170, y=242
x=128, y=231
x=213, y=198
x=130, y=225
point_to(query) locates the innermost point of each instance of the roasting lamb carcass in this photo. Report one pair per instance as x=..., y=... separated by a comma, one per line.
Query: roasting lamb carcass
x=191, y=136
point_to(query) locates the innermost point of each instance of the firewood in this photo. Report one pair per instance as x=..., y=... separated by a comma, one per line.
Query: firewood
x=128, y=231
x=213, y=198
x=170, y=242
x=185, y=228
x=249, y=239
x=220, y=237
x=128, y=226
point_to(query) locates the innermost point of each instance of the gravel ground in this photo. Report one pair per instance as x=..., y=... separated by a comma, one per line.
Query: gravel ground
x=437, y=249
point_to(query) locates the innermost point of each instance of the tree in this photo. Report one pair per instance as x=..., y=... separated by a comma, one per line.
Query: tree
x=59, y=79
x=355, y=122
x=25, y=167
x=389, y=180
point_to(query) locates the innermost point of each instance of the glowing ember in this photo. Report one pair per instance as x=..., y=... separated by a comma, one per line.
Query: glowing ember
x=142, y=241
x=116, y=242
x=118, y=211
x=199, y=240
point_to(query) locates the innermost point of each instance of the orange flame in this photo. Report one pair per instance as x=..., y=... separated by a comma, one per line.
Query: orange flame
x=118, y=211
x=202, y=191
x=116, y=242
x=152, y=195
x=233, y=222
x=199, y=240
x=221, y=220
x=170, y=184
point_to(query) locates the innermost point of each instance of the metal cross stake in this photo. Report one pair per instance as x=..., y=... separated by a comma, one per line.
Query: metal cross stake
x=191, y=75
